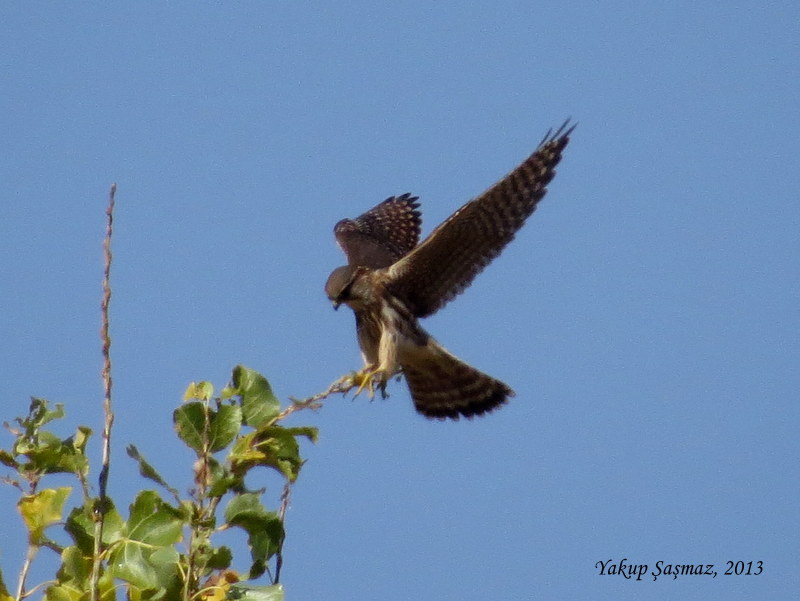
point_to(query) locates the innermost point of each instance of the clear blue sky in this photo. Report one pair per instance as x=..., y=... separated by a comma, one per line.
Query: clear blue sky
x=647, y=316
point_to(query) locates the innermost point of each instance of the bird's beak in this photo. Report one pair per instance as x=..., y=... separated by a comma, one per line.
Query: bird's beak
x=336, y=305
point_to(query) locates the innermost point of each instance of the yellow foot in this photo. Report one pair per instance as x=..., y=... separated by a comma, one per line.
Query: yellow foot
x=370, y=379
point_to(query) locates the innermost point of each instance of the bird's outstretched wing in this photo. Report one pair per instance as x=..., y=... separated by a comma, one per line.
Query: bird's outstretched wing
x=447, y=261
x=382, y=235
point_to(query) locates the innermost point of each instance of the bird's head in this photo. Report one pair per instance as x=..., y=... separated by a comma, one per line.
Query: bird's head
x=340, y=283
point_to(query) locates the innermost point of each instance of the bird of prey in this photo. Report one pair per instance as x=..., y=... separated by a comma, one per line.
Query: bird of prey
x=391, y=281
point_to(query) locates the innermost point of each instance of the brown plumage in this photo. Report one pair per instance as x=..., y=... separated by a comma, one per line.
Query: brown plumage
x=390, y=282
x=382, y=235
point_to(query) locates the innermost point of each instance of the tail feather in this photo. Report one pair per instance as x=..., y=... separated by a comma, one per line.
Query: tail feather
x=443, y=386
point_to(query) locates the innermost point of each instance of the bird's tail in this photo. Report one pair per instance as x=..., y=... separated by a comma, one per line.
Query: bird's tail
x=443, y=386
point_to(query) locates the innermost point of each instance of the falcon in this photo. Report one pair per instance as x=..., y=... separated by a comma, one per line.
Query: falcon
x=391, y=281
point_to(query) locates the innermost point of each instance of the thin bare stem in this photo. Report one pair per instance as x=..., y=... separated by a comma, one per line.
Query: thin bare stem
x=26, y=566
x=105, y=337
x=341, y=386
x=41, y=585
x=285, y=495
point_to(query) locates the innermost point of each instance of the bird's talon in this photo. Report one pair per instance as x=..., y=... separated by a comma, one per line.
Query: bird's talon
x=369, y=379
x=382, y=388
x=364, y=380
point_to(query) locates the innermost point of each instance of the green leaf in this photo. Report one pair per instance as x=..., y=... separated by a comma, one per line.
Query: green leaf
x=245, y=506
x=206, y=430
x=80, y=526
x=242, y=592
x=148, y=471
x=222, y=479
x=4, y=594
x=190, y=423
x=41, y=510
x=264, y=529
x=81, y=439
x=220, y=559
x=48, y=454
x=129, y=562
x=202, y=391
x=272, y=446
x=259, y=404
x=308, y=431
x=154, y=522
x=63, y=592
x=73, y=579
x=225, y=425
x=8, y=460
x=166, y=564
x=39, y=414
x=38, y=442
x=153, y=527
x=75, y=569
